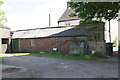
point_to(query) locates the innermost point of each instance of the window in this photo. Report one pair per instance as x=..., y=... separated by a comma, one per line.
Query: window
x=5, y=41
x=32, y=43
x=67, y=23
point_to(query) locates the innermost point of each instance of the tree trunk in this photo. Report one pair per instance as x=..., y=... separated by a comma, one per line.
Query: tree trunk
x=109, y=32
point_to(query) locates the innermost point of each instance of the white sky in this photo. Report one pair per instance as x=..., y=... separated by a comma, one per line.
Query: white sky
x=27, y=14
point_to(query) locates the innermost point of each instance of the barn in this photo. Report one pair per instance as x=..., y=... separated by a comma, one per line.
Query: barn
x=69, y=40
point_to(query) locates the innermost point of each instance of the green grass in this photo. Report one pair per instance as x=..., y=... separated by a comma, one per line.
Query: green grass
x=0, y=60
x=62, y=55
x=58, y=55
x=53, y=55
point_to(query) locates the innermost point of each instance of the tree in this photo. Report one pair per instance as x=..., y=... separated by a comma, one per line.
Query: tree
x=2, y=14
x=89, y=11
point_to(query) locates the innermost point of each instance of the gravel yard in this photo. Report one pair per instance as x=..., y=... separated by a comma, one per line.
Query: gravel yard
x=44, y=67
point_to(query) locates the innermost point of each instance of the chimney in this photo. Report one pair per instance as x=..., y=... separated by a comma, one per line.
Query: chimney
x=68, y=5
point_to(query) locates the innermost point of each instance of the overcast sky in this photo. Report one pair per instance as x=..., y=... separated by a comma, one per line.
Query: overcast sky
x=27, y=14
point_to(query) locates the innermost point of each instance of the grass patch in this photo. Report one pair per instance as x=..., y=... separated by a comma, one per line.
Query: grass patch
x=0, y=60
x=70, y=56
x=62, y=55
x=98, y=55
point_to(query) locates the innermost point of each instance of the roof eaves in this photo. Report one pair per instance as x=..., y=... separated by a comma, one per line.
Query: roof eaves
x=49, y=37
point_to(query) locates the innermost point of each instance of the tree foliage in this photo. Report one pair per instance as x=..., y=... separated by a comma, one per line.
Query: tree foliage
x=91, y=11
x=95, y=10
x=115, y=43
x=2, y=15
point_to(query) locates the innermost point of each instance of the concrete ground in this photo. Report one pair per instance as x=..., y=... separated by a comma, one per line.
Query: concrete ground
x=44, y=67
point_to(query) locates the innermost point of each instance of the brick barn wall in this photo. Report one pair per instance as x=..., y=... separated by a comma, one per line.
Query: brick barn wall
x=45, y=44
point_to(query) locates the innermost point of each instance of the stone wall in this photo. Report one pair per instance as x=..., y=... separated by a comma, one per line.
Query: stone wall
x=97, y=46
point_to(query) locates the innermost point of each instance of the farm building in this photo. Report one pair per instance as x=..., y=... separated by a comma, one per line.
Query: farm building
x=79, y=39
x=66, y=20
x=4, y=39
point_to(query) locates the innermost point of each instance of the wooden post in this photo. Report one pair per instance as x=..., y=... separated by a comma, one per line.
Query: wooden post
x=49, y=20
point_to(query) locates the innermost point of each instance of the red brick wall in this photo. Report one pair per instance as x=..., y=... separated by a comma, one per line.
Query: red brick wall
x=44, y=44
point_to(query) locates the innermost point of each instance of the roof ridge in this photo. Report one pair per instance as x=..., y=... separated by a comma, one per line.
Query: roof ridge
x=41, y=28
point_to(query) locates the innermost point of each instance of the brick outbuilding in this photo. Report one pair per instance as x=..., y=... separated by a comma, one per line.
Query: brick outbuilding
x=62, y=39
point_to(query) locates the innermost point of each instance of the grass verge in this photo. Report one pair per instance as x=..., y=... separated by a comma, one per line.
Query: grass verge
x=62, y=55
x=58, y=55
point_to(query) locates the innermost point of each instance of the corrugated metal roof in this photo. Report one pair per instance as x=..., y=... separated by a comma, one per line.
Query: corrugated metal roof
x=35, y=33
x=57, y=32
x=66, y=17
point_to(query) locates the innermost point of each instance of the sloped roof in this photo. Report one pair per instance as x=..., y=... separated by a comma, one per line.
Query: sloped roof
x=66, y=17
x=48, y=32
x=57, y=32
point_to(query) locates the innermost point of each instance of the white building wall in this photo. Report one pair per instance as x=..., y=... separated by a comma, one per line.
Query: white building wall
x=114, y=30
x=4, y=33
x=66, y=23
